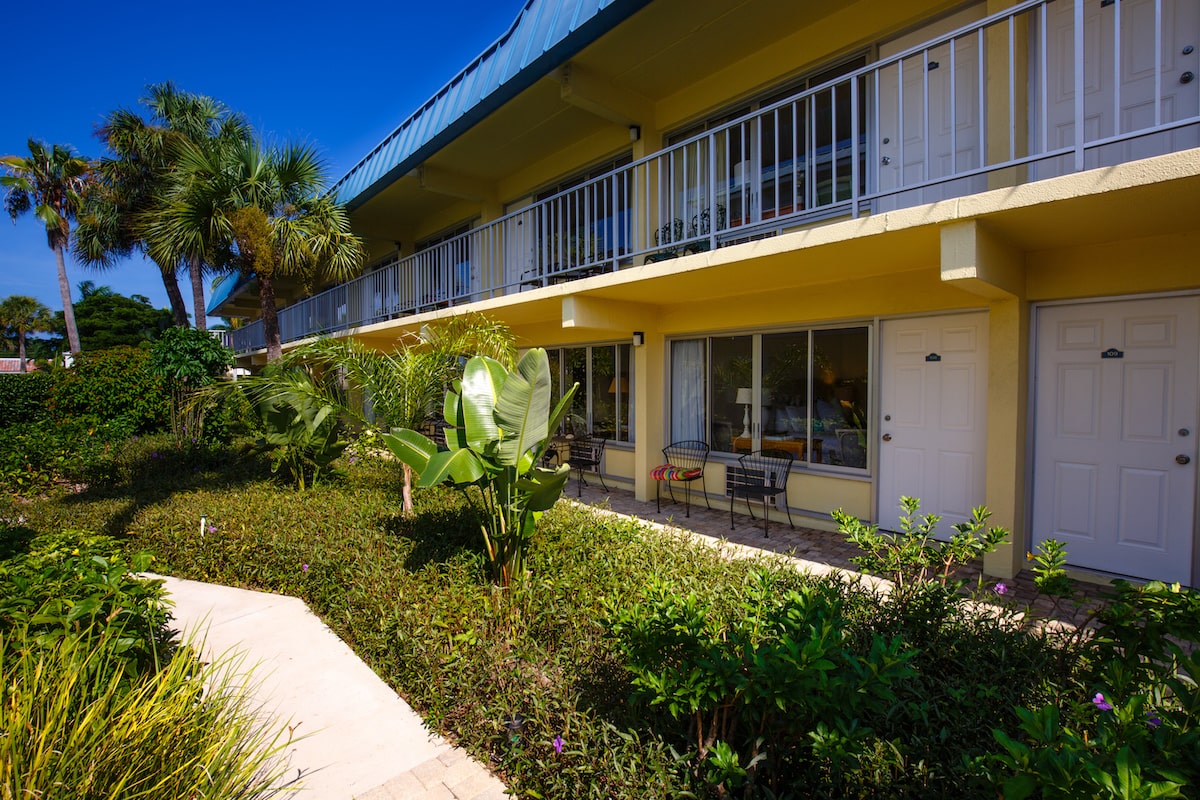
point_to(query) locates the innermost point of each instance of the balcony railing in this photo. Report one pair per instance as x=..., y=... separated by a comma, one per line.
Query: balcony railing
x=1039, y=90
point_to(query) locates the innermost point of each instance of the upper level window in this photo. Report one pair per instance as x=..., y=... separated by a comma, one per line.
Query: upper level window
x=770, y=157
x=442, y=267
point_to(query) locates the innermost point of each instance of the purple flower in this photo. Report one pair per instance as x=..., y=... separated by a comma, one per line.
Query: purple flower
x=304, y=567
x=1101, y=703
x=558, y=744
x=212, y=528
x=1000, y=589
x=1152, y=720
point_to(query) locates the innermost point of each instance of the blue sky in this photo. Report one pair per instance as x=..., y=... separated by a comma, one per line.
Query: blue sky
x=339, y=75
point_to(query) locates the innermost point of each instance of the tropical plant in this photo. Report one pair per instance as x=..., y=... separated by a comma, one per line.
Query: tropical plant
x=499, y=426
x=22, y=315
x=52, y=181
x=401, y=388
x=301, y=431
x=912, y=556
x=262, y=212
x=133, y=184
x=188, y=359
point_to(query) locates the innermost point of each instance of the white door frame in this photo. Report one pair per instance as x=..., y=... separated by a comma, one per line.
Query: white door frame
x=876, y=460
x=1031, y=411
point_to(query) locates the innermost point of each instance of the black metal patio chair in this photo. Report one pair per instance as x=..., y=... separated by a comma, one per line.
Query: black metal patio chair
x=685, y=464
x=585, y=454
x=762, y=475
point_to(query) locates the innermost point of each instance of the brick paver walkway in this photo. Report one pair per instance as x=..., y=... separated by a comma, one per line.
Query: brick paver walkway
x=819, y=547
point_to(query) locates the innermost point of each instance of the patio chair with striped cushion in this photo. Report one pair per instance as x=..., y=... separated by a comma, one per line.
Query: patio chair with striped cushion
x=685, y=463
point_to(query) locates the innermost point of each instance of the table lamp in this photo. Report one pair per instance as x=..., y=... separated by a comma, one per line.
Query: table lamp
x=745, y=397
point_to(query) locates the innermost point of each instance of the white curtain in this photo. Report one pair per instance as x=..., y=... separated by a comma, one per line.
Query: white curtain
x=687, y=390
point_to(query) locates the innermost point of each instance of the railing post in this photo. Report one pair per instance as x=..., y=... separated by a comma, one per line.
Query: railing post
x=1079, y=87
x=713, y=216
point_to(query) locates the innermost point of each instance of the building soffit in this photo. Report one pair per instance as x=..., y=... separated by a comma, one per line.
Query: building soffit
x=545, y=35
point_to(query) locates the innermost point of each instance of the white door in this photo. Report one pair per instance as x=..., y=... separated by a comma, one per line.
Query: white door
x=933, y=416
x=1116, y=399
x=1119, y=92
x=929, y=114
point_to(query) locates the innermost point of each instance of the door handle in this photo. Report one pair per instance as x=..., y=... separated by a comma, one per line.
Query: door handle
x=1182, y=459
x=887, y=437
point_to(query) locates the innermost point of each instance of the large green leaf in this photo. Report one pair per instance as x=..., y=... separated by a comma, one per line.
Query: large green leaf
x=457, y=466
x=480, y=389
x=410, y=448
x=543, y=487
x=452, y=414
x=523, y=407
x=560, y=410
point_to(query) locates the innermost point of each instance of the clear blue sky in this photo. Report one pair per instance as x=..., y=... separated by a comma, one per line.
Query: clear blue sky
x=340, y=75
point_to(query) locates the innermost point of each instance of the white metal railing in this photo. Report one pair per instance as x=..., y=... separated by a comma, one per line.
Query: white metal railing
x=928, y=123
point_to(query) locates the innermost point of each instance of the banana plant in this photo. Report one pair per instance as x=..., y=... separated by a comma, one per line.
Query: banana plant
x=300, y=429
x=499, y=426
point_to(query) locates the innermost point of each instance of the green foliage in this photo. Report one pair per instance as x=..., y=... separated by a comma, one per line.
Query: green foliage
x=499, y=426
x=72, y=586
x=411, y=595
x=912, y=555
x=23, y=398
x=71, y=725
x=1049, y=568
x=301, y=430
x=188, y=357
x=113, y=384
x=768, y=687
x=36, y=455
x=109, y=320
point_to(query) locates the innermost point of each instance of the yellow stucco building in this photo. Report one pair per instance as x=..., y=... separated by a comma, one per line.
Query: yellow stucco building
x=927, y=248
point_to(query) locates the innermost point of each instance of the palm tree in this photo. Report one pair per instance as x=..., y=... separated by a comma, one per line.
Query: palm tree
x=403, y=388
x=51, y=181
x=23, y=314
x=136, y=180
x=260, y=212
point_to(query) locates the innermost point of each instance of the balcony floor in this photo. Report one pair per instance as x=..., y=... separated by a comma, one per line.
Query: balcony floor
x=812, y=550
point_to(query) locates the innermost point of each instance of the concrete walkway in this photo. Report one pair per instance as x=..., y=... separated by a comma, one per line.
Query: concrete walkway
x=360, y=741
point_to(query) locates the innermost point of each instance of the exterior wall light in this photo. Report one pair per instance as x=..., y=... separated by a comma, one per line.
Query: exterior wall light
x=639, y=338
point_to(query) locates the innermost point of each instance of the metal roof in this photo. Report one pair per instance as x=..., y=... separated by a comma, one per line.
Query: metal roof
x=545, y=34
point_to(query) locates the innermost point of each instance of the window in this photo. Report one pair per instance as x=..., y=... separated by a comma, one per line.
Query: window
x=585, y=219
x=603, y=405
x=805, y=392
x=795, y=157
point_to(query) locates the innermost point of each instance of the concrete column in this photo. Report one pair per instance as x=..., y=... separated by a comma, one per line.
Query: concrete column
x=1008, y=395
x=649, y=362
x=976, y=260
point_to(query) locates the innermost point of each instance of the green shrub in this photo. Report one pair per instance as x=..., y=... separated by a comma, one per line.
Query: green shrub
x=74, y=585
x=24, y=398
x=113, y=384
x=768, y=689
x=33, y=456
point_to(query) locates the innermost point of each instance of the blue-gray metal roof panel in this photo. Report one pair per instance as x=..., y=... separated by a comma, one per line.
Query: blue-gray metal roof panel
x=545, y=34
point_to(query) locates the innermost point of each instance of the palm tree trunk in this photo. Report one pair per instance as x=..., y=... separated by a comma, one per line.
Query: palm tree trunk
x=270, y=318
x=64, y=289
x=21, y=348
x=178, y=308
x=198, y=293
x=406, y=491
